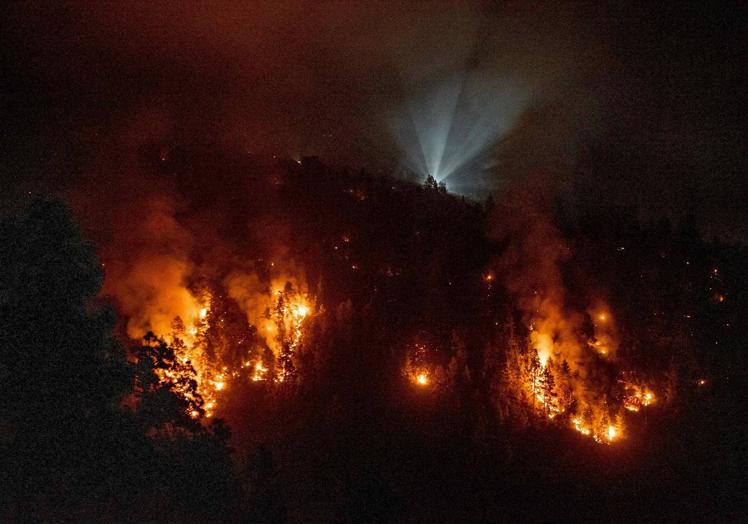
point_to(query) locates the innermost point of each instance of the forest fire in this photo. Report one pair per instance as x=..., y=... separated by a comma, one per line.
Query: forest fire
x=563, y=375
x=569, y=370
x=242, y=321
x=244, y=350
x=562, y=391
x=285, y=261
x=276, y=316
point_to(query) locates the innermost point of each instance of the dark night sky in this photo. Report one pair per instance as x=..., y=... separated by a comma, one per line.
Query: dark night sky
x=632, y=104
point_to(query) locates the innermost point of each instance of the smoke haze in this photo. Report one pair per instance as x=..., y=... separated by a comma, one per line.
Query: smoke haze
x=623, y=109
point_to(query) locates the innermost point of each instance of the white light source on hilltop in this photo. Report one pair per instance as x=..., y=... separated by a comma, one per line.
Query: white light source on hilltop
x=448, y=130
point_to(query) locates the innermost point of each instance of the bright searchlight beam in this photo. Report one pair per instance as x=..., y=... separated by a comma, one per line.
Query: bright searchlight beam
x=448, y=131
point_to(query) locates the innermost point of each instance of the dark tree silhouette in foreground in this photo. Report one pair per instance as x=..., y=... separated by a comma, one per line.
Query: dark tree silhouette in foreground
x=69, y=450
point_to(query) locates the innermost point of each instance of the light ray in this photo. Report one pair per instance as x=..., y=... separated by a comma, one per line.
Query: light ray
x=449, y=130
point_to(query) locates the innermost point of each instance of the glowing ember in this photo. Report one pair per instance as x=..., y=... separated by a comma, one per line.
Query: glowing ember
x=417, y=367
x=422, y=379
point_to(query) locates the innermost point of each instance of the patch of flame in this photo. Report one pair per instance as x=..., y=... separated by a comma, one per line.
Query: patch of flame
x=580, y=426
x=637, y=397
x=259, y=373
